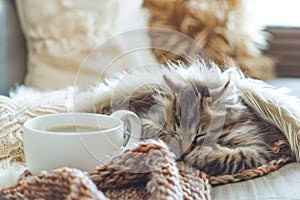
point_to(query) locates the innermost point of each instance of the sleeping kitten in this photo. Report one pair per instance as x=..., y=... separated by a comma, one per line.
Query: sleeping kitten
x=196, y=111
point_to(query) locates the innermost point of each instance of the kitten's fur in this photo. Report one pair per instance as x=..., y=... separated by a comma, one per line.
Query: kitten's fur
x=197, y=111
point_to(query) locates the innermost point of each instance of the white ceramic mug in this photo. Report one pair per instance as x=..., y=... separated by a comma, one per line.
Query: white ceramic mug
x=46, y=150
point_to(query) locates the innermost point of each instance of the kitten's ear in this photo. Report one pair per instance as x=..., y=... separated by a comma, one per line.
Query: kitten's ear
x=221, y=91
x=226, y=86
x=174, y=83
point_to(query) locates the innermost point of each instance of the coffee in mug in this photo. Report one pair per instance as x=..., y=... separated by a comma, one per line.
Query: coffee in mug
x=75, y=128
x=77, y=140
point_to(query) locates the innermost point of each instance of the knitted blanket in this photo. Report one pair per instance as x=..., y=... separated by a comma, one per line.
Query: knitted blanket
x=147, y=171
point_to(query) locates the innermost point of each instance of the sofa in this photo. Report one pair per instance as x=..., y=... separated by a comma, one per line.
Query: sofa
x=281, y=184
x=13, y=49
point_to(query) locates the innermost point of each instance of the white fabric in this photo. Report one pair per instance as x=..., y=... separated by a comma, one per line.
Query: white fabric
x=77, y=42
x=281, y=184
x=10, y=174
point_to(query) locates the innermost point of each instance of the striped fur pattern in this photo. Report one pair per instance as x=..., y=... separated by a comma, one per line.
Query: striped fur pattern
x=197, y=111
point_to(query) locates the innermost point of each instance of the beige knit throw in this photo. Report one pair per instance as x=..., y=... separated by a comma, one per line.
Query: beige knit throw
x=12, y=117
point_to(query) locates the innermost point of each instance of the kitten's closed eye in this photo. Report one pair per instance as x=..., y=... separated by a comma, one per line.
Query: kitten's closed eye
x=157, y=113
x=189, y=105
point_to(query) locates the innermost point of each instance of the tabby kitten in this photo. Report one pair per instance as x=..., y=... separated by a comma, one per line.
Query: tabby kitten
x=196, y=111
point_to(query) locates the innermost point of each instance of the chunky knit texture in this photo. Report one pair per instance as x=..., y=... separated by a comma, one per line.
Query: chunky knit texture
x=148, y=171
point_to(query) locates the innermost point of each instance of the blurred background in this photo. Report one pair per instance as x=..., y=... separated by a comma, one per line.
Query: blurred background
x=280, y=18
x=282, y=21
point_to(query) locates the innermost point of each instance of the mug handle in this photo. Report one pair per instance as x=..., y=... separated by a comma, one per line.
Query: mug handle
x=133, y=121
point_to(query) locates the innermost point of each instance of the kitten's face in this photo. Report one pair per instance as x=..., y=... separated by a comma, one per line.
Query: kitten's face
x=184, y=110
x=192, y=104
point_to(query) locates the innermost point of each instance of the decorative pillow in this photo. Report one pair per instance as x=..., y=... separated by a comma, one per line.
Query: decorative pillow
x=75, y=42
x=223, y=28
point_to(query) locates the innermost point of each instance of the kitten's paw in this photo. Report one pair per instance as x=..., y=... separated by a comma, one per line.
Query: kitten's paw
x=199, y=156
x=218, y=160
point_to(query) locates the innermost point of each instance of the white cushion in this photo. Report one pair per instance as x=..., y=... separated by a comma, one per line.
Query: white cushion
x=70, y=42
